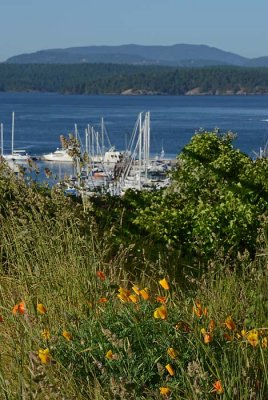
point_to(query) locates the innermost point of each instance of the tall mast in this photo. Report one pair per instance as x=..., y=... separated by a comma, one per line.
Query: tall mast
x=12, y=132
x=2, y=139
x=102, y=136
x=140, y=144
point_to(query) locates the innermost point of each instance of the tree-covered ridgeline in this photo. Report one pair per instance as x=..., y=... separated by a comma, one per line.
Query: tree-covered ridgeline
x=131, y=79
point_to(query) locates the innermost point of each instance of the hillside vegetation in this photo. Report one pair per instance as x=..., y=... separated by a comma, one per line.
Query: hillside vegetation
x=129, y=79
x=159, y=295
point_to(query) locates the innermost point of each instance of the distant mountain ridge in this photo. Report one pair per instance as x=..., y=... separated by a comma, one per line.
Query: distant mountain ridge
x=181, y=55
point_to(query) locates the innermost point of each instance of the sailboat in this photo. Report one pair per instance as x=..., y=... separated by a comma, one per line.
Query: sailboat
x=16, y=155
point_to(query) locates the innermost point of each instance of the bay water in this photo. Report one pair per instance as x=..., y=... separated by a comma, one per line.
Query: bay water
x=40, y=119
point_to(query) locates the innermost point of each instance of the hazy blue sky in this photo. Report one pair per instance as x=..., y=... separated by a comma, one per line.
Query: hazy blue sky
x=240, y=26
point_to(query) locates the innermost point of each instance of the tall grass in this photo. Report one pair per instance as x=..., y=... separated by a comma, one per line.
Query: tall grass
x=104, y=346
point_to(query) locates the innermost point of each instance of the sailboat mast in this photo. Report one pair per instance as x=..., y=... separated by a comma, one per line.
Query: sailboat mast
x=2, y=139
x=140, y=144
x=12, y=132
x=102, y=137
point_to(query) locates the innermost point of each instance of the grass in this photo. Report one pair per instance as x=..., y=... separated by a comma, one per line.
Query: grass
x=89, y=343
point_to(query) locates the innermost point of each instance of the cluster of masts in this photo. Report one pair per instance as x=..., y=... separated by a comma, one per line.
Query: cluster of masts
x=115, y=171
x=103, y=166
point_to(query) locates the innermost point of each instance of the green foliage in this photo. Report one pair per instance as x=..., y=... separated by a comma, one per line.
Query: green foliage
x=214, y=208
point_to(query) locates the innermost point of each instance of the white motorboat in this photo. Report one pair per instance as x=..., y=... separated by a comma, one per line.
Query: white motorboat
x=58, y=156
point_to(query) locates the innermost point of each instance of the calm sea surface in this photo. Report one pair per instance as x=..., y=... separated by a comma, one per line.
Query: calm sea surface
x=40, y=118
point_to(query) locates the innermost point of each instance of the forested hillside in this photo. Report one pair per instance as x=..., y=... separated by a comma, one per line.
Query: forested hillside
x=129, y=79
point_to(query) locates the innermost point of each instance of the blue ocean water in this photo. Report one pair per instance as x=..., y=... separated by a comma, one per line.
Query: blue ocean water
x=40, y=119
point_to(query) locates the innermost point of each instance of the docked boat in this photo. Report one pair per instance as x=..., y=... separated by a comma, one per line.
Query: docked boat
x=58, y=156
x=18, y=156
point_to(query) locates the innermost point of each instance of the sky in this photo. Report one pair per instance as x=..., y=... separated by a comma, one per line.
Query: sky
x=238, y=26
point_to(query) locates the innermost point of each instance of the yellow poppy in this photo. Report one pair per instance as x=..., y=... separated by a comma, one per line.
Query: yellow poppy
x=170, y=370
x=109, y=355
x=41, y=308
x=144, y=294
x=253, y=337
x=160, y=313
x=44, y=355
x=164, y=284
x=67, y=335
x=136, y=290
x=229, y=323
x=45, y=334
x=171, y=352
x=134, y=298
x=164, y=391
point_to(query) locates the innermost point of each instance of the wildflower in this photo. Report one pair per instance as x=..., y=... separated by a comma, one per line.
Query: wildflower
x=101, y=275
x=161, y=299
x=198, y=312
x=136, y=290
x=264, y=343
x=134, y=298
x=227, y=337
x=164, y=284
x=67, y=335
x=44, y=355
x=205, y=311
x=203, y=331
x=171, y=352
x=41, y=308
x=253, y=337
x=211, y=325
x=164, y=391
x=170, y=370
x=207, y=338
x=123, y=294
x=197, y=309
x=198, y=304
x=1, y=318
x=229, y=323
x=45, y=334
x=218, y=387
x=243, y=333
x=144, y=294
x=19, y=308
x=109, y=355
x=103, y=300
x=160, y=313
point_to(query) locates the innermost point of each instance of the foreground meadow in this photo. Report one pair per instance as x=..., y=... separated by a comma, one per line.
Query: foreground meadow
x=90, y=310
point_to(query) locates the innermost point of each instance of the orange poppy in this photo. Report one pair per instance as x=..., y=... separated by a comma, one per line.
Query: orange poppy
x=218, y=387
x=101, y=275
x=103, y=300
x=19, y=308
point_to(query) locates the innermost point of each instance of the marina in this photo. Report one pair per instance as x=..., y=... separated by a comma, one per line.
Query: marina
x=43, y=119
